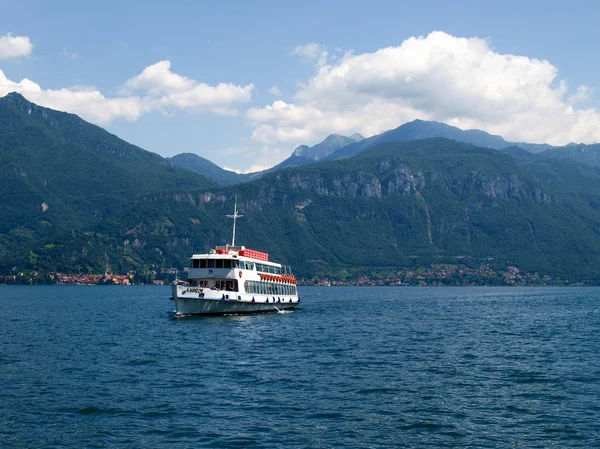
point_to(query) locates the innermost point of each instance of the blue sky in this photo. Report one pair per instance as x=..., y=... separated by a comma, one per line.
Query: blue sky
x=196, y=77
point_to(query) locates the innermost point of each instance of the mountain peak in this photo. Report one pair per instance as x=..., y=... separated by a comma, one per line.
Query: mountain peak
x=15, y=97
x=357, y=137
x=333, y=138
x=300, y=150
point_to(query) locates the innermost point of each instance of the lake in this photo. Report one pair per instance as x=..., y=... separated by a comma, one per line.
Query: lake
x=97, y=366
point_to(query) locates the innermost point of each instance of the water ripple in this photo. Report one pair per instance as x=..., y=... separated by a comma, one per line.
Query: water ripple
x=355, y=367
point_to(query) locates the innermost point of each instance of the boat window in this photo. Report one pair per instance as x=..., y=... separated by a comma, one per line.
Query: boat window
x=195, y=263
x=219, y=263
x=211, y=263
x=235, y=263
x=203, y=263
x=250, y=266
x=227, y=263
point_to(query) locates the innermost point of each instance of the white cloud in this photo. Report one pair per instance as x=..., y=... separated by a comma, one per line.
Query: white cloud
x=169, y=89
x=582, y=94
x=460, y=81
x=234, y=170
x=14, y=46
x=275, y=91
x=158, y=79
x=264, y=157
x=155, y=89
x=312, y=52
x=309, y=52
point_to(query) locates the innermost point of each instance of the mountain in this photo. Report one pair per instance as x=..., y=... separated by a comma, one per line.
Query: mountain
x=402, y=204
x=59, y=173
x=398, y=205
x=76, y=199
x=420, y=129
x=304, y=154
x=204, y=167
x=574, y=182
x=585, y=154
x=328, y=146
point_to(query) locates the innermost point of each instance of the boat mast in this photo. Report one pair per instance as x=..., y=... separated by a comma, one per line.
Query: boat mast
x=234, y=216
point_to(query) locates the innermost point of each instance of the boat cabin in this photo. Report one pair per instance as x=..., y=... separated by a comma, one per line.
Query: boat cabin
x=225, y=267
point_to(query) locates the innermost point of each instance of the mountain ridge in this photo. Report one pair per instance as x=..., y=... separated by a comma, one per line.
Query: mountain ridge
x=202, y=166
x=60, y=169
x=420, y=129
x=77, y=198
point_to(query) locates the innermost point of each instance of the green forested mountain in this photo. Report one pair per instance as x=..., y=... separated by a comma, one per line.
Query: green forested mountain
x=585, y=154
x=202, y=166
x=60, y=173
x=397, y=205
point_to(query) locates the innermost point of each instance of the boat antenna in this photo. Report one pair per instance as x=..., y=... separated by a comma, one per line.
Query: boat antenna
x=235, y=216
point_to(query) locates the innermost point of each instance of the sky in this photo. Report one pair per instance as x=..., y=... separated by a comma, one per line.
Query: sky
x=243, y=83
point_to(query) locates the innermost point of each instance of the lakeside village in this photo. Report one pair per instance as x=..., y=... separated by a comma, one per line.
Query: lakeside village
x=437, y=275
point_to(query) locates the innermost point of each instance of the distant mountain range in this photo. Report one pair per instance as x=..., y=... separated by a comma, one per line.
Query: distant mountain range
x=336, y=146
x=302, y=155
x=419, y=129
x=76, y=198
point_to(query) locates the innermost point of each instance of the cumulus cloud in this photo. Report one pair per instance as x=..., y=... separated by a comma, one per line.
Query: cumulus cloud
x=14, y=46
x=460, y=81
x=312, y=52
x=264, y=157
x=157, y=88
x=87, y=102
x=170, y=90
x=275, y=91
x=581, y=95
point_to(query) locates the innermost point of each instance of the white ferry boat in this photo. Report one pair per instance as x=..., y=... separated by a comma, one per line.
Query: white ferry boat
x=234, y=279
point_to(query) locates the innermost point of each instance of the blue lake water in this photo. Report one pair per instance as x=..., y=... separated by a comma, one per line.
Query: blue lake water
x=355, y=367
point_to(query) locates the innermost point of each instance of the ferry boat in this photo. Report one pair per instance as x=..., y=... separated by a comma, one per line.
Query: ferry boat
x=234, y=279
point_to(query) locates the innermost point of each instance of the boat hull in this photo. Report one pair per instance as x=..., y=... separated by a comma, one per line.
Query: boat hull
x=186, y=306
x=199, y=301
